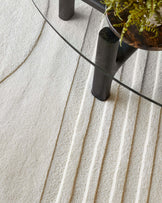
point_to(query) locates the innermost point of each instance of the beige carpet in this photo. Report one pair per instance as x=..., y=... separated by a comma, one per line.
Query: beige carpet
x=57, y=143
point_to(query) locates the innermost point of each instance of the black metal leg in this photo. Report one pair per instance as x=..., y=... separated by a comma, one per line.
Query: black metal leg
x=109, y=56
x=106, y=54
x=96, y=4
x=66, y=9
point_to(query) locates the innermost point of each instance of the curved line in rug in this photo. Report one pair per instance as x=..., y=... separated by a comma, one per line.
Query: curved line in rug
x=30, y=52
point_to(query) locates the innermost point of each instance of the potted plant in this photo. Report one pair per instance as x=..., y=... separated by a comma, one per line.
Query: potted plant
x=138, y=22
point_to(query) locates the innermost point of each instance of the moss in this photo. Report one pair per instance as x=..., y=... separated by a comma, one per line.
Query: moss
x=139, y=13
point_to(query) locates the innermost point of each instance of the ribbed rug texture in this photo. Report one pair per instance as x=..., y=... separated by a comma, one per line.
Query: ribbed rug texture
x=58, y=144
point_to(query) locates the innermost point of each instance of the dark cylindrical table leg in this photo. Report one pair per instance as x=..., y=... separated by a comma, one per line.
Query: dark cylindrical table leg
x=106, y=55
x=66, y=9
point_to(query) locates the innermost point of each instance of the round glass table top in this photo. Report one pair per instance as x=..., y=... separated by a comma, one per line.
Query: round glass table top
x=140, y=74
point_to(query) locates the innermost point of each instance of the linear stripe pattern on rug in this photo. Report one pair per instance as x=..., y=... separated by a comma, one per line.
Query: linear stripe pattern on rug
x=106, y=151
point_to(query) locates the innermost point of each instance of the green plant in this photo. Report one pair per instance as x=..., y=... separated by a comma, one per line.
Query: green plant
x=145, y=14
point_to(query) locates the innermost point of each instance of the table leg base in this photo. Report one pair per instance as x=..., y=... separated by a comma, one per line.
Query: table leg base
x=109, y=57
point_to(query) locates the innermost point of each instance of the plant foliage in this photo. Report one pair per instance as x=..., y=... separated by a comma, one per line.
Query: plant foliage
x=145, y=14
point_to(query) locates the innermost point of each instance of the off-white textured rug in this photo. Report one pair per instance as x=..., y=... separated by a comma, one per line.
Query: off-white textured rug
x=20, y=29
x=57, y=143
